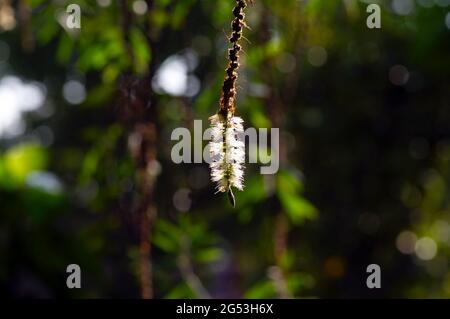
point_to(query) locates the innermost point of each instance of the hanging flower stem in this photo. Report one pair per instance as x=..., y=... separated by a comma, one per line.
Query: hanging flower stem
x=227, y=148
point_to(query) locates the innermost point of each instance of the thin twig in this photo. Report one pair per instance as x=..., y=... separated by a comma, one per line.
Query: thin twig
x=187, y=271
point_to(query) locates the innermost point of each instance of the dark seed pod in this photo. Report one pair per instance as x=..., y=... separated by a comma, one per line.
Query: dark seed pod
x=234, y=64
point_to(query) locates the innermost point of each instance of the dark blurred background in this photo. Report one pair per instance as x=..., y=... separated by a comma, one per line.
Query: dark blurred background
x=86, y=175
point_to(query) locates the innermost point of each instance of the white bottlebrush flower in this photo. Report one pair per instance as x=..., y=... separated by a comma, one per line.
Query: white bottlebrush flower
x=227, y=151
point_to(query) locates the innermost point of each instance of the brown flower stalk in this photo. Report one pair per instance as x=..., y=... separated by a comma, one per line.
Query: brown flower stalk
x=227, y=101
x=226, y=149
x=228, y=154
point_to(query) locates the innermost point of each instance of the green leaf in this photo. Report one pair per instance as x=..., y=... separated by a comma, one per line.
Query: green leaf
x=298, y=282
x=182, y=291
x=19, y=161
x=167, y=236
x=140, y=49
x=65, y=49
x=297, y=208
x=289, y=192
x=288, y=182
x=263, y=289
x=208, y=255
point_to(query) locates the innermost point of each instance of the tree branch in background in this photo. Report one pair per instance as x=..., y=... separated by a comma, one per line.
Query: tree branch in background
x=140, y=107
x=148, y=169
x=126, y=26
x=26, y=29
x=276, y=273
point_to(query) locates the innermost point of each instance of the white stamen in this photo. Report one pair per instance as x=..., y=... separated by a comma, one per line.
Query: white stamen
x=227, y=151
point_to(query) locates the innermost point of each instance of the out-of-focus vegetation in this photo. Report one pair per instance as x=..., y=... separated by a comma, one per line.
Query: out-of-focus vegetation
x=86, y=175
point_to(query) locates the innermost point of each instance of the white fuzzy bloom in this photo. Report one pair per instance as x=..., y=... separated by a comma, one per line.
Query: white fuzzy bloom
x=227, y=151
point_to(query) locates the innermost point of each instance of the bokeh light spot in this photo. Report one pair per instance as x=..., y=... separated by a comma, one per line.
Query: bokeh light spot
x=403, y=7
x=45, y=181
x=140, y=7
x=426, y=248
x=441, y=229
x=398, y=75
x=104, y=3
x=317, y=56
x=17, y=97
x=286, y=62
x=181, y=200
x=447, y=20
x=74, y=92
x=406, y=242
x=173, y=76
